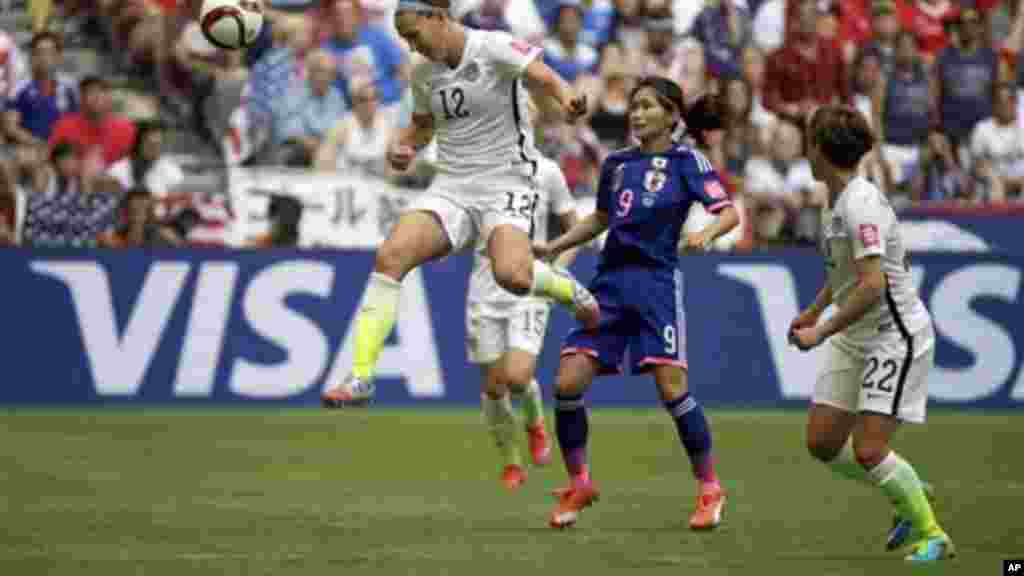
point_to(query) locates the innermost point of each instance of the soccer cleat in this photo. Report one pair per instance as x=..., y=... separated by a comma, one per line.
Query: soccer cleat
x=540, y=448
x=352, y=392
x=584, y=305
x=571, y=501
x=708, y=514
x=932, y=548
x=902, y=527
x=513, y=476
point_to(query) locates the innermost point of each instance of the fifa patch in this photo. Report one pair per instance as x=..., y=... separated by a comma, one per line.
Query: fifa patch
x=714, y=189
x=521, y=47
x=869, y=235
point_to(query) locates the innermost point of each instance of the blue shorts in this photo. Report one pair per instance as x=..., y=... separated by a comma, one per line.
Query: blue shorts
x=642, y=309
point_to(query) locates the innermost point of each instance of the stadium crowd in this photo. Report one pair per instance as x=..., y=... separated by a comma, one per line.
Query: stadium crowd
x=325, y=84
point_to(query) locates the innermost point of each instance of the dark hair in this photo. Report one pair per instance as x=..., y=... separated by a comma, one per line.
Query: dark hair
x=43, y=36
x=139, y=165
x=843, y=135
x=706, y=114
x=293, y=154
x=670, y=95
x=287, y=211
x=62, y=149
x=91, y=81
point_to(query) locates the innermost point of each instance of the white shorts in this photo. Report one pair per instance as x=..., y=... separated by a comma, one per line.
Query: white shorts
x=489, y=337
x=469, y=218
x=889, y=381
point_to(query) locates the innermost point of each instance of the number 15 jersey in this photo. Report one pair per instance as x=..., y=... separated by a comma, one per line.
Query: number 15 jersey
x=479, y=108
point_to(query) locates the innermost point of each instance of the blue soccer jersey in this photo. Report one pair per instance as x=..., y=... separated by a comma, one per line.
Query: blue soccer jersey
x=638, y=285
x=647, y=197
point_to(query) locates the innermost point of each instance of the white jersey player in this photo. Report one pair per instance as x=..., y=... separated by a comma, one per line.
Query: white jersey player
x=881, y=337
x=505, y=333
x=470, y=95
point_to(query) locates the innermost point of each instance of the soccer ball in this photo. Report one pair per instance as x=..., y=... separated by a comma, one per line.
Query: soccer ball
x=231, y=24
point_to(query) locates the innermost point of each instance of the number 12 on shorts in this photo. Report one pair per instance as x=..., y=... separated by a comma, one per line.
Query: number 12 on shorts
x=880, y=374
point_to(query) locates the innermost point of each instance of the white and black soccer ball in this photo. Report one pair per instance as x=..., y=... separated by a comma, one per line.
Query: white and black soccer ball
x=231, y=24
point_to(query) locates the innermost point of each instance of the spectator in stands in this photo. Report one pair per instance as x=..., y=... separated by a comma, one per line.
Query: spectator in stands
x=99, y=135
x=753, y=74
x=885, y=27
x=769, y=25
x=359, y=141
x=63, y=206
x=563, y=51
x=867, y=75
x=628, y=31
x=902, y=114
x=723, y=29
x=276, y=91
x=854, y=28
x=682, y=62
x=997, y=148
x=362, y=50
x=37, y=103
x=806, y=72
x=927, y=20
x=149, y=168
x=11, y=65
x=609, y=117
x=739, y=131
x=321, y=104
x=770, y=205
x=137, y=224
x=965, y=79
x=8, y=203
x=285, y=215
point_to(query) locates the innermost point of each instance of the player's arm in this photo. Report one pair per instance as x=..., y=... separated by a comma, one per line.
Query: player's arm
x=705, y=184
x=866, y=293
x=553, y=95
x=584, y=231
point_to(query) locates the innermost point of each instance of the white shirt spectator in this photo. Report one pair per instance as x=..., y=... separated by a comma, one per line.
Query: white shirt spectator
x=799, y=177
x=161, y=180
x=1003, y=144
x=770, y=25
x=13, y=68
x=762, y=180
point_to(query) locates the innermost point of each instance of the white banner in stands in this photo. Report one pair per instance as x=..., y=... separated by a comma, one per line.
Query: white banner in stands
x=340, y=209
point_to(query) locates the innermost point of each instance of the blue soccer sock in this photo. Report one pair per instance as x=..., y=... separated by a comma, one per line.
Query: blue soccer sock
x=572, y=429
x=695, y=435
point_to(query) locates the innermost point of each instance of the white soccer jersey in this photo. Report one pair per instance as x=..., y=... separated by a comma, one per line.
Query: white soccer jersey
x=479, y=109
x=861, y=224
x=550, y=196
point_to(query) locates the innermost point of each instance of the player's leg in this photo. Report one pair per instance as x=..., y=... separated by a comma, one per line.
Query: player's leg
x=695, y=436
x=895, y=391
x=526, y=328
x=485, y=346
x=516, y=270
x=426, y=232
x=833, y=412
x=501, y=423
x=576, y=371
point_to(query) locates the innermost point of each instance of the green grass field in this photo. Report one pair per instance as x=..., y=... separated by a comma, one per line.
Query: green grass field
x=154, y=492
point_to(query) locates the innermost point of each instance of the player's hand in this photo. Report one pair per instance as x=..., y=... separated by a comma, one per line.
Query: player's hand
x=806, y=319
x=697, y=241
x=400, y=156
x=577, y=108
x=805, y=338
x=543, y=251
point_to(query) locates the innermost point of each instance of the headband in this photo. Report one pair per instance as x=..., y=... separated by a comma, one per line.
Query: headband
x=660, y=24
x=418, y=6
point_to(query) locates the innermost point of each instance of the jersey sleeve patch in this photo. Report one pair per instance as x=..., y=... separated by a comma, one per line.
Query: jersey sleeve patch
x=520, y=46
x=868, y=235
x=715, y=190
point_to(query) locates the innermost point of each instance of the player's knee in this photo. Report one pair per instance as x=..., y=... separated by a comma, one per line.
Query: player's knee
x=390, y=261
x=821, y=448
x=518, y=380
x=513, y=275
x=869, y=454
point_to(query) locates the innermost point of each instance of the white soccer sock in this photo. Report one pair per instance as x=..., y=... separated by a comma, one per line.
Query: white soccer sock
x=845, y=464
x=501, y=422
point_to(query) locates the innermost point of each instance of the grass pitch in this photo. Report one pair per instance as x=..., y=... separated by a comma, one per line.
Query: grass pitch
x=160, y=491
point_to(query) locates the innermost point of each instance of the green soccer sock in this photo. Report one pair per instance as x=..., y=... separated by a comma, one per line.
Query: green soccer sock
x=501, y=423
x=897, y=478
x=374, y=322
x=845, y=464
x=547, y=282
x=533, y=405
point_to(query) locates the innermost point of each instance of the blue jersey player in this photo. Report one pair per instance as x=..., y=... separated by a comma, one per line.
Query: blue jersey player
x=644, y=195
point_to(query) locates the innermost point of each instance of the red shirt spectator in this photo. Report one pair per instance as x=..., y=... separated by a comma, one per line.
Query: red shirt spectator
x=806, y=71
x=101, y=137
x=927, y=19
